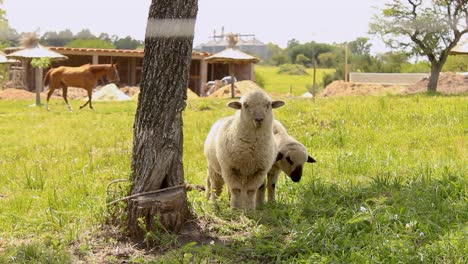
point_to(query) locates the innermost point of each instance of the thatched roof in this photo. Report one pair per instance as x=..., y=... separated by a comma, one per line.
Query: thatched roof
x=4, y=59
x=231, y=55
x=37, y=51
x=460, y=48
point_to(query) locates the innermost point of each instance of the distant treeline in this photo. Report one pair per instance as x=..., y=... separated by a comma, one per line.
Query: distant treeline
x=359, y=58
x=82, y=39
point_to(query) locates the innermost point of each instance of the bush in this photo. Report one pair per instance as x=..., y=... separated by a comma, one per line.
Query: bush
x=292, y=69
x=259, y=79
x=328, y=78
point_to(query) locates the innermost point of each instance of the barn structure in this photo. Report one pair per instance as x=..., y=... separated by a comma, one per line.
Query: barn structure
x=130, y=64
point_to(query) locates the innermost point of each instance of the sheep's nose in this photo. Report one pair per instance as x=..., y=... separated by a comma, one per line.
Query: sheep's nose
x=259, y=121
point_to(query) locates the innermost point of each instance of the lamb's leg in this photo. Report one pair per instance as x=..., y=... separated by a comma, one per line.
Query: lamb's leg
x=251, y=199
x=272, y=179
x=261, y=194
x=214, y=184
x=236, y=201
x=208, y=186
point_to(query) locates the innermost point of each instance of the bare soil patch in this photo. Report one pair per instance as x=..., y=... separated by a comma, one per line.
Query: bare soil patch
x=449, y=83
x=342, y=88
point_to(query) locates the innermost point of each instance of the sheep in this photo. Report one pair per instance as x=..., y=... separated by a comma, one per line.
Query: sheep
x=240, y=149
x=290, y=159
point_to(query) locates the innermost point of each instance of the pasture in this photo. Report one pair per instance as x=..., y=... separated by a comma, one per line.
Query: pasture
x=389, y=185
x=281, y=83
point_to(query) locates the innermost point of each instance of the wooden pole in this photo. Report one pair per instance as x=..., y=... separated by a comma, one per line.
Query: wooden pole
x=231, y=73
x=314, y=85
x=346, y=63
x=38, y=78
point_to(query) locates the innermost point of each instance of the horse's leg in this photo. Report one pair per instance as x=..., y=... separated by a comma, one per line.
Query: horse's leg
x=64, y=94
x=90, y=95
x=49, y=94
x=90, y=91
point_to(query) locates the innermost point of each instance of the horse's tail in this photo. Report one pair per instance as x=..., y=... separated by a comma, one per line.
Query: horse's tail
x=47, y=78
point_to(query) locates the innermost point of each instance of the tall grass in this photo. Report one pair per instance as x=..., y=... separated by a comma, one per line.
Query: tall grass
x=389, y=184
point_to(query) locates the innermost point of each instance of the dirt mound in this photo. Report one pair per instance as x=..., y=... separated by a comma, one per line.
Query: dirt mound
x=130, y=90
x=110, y=92
x=12, y=93
x=240, y=88
x=191, y=94
x=20, y=94
x=449, y=83
x=342, y=88
x=72, y=93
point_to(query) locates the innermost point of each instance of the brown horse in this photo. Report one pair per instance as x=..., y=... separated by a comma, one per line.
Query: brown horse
x=85, y=76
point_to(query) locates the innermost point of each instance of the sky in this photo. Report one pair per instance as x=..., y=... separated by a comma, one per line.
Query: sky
x=276, y=21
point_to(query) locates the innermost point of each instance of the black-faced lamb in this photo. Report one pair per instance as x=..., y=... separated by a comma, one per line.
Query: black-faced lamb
x=291, y=157
x=240, y=149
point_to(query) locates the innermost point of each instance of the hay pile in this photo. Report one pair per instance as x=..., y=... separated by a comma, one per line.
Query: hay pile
x=342, y=88
x=190, y=94
x=449, y=83
x=240, y=88
x=110, y=92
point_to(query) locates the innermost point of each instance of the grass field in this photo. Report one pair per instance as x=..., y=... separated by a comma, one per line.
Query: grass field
x=282, y=83
x=389, y=185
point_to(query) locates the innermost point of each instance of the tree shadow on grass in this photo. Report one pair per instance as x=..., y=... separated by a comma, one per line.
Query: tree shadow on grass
x=388, y=220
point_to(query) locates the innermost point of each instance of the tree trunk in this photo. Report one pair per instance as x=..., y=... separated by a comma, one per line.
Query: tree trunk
x=434, y=78
x=157, y=139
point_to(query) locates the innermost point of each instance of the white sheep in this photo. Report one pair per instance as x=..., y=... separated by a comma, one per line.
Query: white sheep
x=240, y=149
x=290, y=159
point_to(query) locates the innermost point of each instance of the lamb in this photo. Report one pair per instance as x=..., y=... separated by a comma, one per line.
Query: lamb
x=240, y=149
x=290, y=159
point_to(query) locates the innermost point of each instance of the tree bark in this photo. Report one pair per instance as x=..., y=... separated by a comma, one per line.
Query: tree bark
x=158, y=138
x=436, y=68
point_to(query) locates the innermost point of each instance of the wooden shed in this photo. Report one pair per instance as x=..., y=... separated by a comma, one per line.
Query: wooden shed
x=130, y=63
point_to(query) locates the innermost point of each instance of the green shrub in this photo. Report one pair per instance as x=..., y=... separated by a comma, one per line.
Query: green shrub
x=259, y=79
x=292, y=69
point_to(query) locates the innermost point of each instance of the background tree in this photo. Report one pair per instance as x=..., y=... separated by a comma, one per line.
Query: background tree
x=360, y=46
x=85, y=34
x=276, y=55
x=430, y=28
x=302, y=59
x=60, y=39
x=157, y=137
x=90, y=43
x=8, y=36
x=127, y=43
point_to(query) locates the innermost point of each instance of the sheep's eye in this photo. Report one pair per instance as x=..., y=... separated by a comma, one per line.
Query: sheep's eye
x=288, y=159
x=246, y=105
x=267, y=105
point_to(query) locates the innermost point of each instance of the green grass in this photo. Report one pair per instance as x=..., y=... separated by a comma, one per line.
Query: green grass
x=281, y=83
x=389, y=185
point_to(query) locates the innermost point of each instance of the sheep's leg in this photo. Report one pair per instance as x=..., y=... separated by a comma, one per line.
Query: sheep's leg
x=272, y=179
x=261, y=195
x=214, y=184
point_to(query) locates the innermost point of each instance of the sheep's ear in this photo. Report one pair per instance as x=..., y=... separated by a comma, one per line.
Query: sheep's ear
x=276, y=104
x=310, y=159
x=279, y=156
x=235, y=105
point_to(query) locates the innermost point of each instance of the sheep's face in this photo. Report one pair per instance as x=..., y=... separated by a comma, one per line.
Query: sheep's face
x=291, y=159
x=256, y=108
